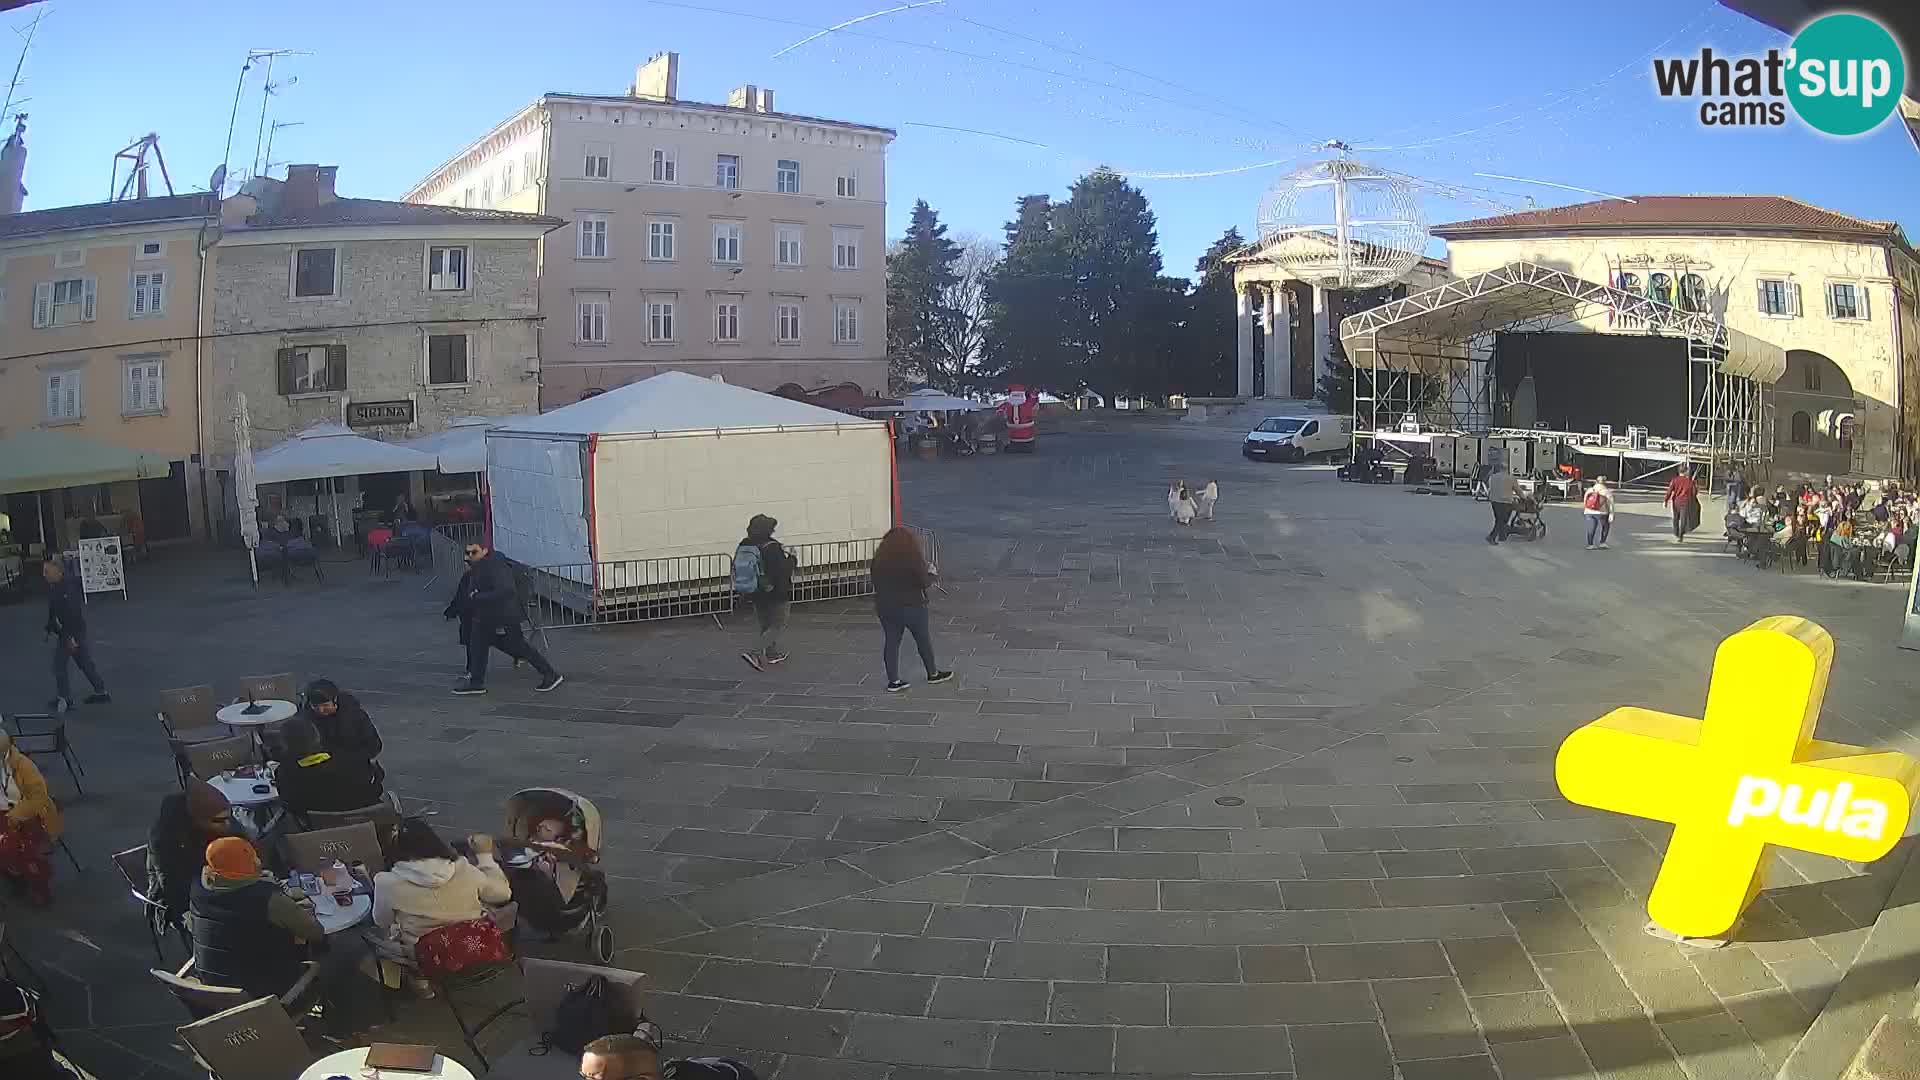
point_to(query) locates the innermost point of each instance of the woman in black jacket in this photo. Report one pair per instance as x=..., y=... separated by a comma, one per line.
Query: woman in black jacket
x=901, y=577
x=343, y=723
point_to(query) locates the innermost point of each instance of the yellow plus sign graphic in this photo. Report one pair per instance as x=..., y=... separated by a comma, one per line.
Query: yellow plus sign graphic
x=1749, y=774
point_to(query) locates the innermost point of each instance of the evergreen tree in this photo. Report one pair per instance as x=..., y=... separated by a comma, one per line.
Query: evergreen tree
x=1211, y=350
x=1024, y=293
x=1106, y=234
x=919, y=275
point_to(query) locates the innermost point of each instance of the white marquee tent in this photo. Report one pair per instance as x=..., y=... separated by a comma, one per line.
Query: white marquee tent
x=330, y=451
x=674, y=466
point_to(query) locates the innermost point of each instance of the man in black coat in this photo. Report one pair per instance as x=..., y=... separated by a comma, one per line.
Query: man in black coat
x=343, y=723
x=493, y=602
x=67, y=622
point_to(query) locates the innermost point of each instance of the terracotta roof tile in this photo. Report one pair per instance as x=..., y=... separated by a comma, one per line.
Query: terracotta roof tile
x=94, y=215
x=1695, y=211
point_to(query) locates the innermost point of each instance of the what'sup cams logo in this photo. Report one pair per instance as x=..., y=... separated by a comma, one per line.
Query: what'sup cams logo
x=1842, y=75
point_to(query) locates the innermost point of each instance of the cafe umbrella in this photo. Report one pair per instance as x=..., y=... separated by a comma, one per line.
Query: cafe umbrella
x=330, y=451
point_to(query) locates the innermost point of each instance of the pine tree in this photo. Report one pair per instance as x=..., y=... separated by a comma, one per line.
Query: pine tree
x=919, y=274
x=1024, y=295
x=1106, y=234
x=1211, y=343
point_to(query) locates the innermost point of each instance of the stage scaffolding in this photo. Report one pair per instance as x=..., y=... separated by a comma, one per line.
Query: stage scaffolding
x=1429, y=357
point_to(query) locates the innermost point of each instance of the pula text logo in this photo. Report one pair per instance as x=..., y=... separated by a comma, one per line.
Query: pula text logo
x=1842, y=75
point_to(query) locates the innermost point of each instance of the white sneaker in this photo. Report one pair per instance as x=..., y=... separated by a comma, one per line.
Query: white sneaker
x=1603, y=545
x=1589, y=547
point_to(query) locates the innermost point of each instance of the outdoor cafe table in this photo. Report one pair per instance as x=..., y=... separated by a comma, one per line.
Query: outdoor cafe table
x=239, y=790
x=236, y=715
x=335, y=918
x=351, y=1063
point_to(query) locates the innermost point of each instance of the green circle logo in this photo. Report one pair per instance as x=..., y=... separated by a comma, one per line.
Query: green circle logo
x=1846, y=74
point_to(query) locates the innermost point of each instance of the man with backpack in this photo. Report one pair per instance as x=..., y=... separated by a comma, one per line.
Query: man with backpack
x=493, y=600
x=763, y=573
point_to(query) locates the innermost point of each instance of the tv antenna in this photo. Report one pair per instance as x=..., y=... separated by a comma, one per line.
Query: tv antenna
x=136, y=152
x=266, y=161
x=254, y=56
x=268, y=88
x=19, y=65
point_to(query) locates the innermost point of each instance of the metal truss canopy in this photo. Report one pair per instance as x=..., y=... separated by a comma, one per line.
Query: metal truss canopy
x=1435, y=327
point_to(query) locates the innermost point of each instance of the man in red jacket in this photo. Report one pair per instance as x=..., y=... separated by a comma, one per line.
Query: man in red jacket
x=1683, y=498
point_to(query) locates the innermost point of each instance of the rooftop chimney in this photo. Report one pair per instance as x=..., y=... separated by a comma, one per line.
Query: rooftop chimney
x=307, y=187
x=13, y=167
x=659, y=77
x=751, y=98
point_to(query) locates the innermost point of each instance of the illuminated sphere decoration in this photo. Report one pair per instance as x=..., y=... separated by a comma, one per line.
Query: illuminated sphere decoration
x=1343, y=224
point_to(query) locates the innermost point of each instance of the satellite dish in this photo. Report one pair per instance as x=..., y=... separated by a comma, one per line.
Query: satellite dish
x=218, y=181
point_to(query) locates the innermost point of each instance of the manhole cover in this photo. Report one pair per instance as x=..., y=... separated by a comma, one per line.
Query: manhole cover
x=1231, y=800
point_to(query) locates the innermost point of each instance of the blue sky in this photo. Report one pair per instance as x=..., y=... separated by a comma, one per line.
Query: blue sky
x=1444, y=91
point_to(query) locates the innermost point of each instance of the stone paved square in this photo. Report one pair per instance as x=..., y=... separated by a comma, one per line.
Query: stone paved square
x=1269, y=796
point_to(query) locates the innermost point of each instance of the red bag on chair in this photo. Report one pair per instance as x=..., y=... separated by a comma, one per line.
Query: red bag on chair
x=455, y=947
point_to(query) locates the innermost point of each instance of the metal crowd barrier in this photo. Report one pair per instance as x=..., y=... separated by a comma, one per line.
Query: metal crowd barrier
x=648, y=590
x=448, y=548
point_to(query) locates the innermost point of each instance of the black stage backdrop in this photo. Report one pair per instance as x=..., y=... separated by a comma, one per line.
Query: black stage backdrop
x=1583, y=380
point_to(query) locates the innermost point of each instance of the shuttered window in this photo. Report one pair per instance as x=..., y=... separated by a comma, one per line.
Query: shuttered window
x=313, y=369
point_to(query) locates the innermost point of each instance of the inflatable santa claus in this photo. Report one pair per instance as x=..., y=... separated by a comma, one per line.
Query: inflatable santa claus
x=1020, y=410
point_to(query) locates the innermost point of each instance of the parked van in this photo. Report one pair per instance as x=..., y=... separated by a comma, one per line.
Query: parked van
x=1296, y=438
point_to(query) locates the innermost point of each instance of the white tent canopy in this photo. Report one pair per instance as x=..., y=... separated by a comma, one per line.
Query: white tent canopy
x=674, y=401
x=929, y=401
x=326, y=450
x=462, y=447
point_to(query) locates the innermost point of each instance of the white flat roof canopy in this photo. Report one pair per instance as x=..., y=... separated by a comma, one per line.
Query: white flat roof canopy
x=1427, y=331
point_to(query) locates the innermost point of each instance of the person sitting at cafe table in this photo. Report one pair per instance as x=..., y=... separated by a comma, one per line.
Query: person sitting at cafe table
x=431, y=886
x=247, y=932
x=311, y=777
x=29, y=821
x=177, y=842
x=343, y=723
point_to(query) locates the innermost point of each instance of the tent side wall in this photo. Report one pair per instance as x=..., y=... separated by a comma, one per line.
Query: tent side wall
x=692, y=494
x=538, y=498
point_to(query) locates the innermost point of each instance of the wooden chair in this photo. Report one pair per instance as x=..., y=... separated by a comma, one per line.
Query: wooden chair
x=187, y=714
x=313, y=851
x=132, y=864
x=279, y=687
x=545, y=983
x=211, y=758
x=47, y=737
x=254, y=1041
x=203, y=1000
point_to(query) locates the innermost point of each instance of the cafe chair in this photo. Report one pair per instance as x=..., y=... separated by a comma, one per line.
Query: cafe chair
x=204, y=1000
x=14, y=965
x=187, y=713
x=279, y=687
x=208, y=759
x=545, y=984
x=302, y=553
x=316, y=850
x=46, y=736
x=383, y=816
x=132, y=864
x=450, y=987
x=254, y=1041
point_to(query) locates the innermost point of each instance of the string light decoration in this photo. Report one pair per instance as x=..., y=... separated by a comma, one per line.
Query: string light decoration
x=1343, y=224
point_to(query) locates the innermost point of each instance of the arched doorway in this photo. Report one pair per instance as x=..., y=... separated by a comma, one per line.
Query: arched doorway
x=1813, y=409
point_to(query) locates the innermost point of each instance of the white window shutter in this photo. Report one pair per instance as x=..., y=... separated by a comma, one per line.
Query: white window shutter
x=1866, y=309
x=86, y=307
x=1793, y=298
x=1832, y=307
x=53, y=396
x=43, y=303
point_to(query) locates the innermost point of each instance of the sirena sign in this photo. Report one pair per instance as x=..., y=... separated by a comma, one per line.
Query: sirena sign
x=1749, y=774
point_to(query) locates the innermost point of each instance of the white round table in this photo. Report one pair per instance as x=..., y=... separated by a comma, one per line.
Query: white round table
x=239, y=789
x=335, y=917
x=349, y=1063
x=275, y=710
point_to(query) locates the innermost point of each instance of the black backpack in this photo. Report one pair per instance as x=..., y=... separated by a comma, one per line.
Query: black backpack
x=585, y=1014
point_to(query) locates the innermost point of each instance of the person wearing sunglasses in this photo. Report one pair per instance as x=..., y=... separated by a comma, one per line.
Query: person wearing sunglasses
x=493, y=602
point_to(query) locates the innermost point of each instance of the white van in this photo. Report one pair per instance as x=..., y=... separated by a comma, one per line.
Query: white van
x=1296, y=438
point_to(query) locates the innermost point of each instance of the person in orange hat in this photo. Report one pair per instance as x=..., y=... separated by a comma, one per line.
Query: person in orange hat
x=247, y=932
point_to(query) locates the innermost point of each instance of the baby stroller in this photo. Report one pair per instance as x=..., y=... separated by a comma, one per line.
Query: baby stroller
x=1526, y=522
x=552, y=863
